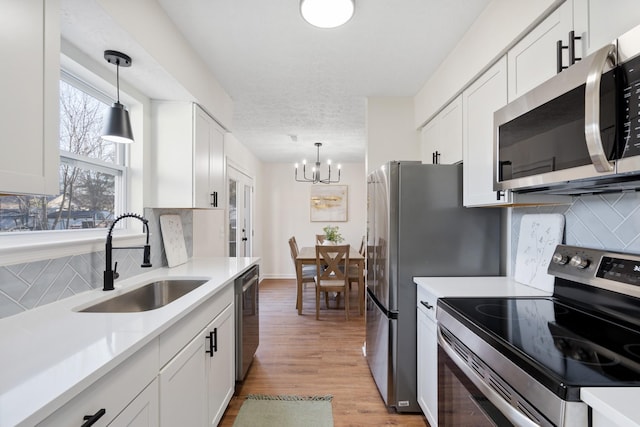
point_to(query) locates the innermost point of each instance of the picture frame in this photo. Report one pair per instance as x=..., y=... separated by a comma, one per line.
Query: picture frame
x=328, y=203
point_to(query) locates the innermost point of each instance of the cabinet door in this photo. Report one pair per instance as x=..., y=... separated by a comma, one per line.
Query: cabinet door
x=29, y=88
x=428, y=367
x=479, y=101
x=142, y=412
x=599, y=22
x=533, y=60
x=441, y=138
x=208, y=162
x=183, y=398
x=220, y=365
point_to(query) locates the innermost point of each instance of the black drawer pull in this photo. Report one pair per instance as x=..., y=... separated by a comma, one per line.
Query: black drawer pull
x=426, y=304
x=90, y=420
x=212, y=348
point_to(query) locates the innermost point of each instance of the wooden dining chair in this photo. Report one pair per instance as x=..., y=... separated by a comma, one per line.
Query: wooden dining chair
x=308, y=271
x=320, y=238
x=330, y=277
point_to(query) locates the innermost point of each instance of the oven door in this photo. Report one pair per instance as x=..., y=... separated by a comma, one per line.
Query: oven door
x=561, y=131
x=470, y=393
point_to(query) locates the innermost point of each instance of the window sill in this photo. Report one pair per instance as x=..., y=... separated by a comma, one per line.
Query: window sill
x=18, y=248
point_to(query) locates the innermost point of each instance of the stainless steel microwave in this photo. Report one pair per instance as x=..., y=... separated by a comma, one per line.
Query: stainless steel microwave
x=578, y=132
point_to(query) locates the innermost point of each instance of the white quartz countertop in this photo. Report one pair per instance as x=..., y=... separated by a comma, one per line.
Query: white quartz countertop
x=619, y=405
x=52, y=353
x=489, y=286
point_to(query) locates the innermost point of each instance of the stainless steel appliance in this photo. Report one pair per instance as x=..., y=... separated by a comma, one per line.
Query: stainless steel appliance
x=578, y=132
x=247, y=320
x=524, y=360
x=416, y=226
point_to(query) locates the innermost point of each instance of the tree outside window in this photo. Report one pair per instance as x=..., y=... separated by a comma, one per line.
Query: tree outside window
x=90, y=173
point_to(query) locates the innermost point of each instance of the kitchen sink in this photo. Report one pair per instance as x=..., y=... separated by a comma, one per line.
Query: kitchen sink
x=147, y=297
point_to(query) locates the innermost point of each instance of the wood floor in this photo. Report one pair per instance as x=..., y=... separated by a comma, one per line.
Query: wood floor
x=300, y=355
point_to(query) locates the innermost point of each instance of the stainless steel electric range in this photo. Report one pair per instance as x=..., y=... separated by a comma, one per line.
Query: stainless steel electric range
x=523, y=360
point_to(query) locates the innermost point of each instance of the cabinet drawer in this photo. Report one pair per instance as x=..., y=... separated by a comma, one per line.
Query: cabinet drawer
x=113, y=392
x=174, y=339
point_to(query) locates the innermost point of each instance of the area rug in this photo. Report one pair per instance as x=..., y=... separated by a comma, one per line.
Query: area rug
x=260, y=410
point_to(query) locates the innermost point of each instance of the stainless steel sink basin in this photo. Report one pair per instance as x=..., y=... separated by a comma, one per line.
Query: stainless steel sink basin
x=148, y=297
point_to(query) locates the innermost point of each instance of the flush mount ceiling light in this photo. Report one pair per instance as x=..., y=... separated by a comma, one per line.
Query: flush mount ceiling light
x=315, y=177
x=327, y=13
x=117, y=126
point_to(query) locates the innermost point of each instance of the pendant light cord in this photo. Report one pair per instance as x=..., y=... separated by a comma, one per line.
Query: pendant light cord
x=118, y=79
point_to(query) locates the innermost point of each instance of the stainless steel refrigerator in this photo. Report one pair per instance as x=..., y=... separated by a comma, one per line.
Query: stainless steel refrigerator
x=416, y=226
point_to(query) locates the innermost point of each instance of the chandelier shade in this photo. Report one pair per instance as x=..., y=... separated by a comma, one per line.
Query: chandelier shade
x=315, y=177
x=117, y=125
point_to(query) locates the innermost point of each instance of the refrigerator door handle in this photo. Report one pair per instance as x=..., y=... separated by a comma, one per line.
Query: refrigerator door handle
x=388, y=313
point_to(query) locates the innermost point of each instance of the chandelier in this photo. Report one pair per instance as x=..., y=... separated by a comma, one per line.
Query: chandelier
x=315, y=171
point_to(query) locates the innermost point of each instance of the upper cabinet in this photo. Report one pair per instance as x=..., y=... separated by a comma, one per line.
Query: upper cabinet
x=535, y=58
x=441, y=138
x=29, y=113
x=486, y=95
x=188, y=165
x=599, y=22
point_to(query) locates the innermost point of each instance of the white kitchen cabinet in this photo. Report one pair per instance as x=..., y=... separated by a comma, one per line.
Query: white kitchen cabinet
x=128, y=395
x=196, y=385
x=599, y=22
x=534, y=59
x=441, y=138
x=29, y=113
x=479, y=101
x=188, y=165
x=427, y=356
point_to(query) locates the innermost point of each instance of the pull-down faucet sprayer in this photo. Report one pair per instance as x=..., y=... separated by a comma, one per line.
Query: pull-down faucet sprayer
x=109, y=274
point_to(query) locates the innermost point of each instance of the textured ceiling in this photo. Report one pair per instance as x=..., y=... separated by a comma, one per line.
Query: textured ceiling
x=293, y=84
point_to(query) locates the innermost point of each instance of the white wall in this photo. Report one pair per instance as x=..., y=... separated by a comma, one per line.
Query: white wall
x=286, y=213
x=391, y=134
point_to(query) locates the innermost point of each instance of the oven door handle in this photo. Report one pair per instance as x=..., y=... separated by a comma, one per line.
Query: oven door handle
x=511, y=413
x=592, y=108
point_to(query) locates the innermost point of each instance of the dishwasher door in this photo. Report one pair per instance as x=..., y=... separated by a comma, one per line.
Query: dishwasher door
x=247, y=320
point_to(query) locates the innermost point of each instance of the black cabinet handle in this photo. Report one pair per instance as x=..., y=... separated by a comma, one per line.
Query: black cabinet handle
x=215, y=339
x=90, y=420
x=559, y=47
x=572, y=47
x=211, y=349
x=426, y=304
x=214, y=199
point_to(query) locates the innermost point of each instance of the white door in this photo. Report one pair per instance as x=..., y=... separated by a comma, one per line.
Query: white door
x=240, y=187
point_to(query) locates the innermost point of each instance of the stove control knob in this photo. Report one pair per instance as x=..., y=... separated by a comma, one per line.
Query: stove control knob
x=579, y=262
x=558, y=258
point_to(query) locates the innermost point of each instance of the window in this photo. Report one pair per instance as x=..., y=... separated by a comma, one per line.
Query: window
x=92, y=171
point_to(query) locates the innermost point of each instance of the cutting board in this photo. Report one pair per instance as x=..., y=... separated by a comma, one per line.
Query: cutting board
x=539, y=235
x=173, y=239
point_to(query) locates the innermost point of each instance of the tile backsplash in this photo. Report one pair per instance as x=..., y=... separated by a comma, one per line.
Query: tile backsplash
x=29, y=285
x=605, y=221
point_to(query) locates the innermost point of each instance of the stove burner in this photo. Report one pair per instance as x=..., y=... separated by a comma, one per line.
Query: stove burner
x=498, y=311
x=582, y=351
x=633, y=349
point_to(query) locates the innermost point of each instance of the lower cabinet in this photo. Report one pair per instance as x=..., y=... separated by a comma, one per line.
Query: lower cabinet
x=197, y=384
x=142, y=411
x=427, y=357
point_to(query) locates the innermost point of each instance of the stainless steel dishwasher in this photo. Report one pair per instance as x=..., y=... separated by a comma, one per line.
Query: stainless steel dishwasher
x=247, y=320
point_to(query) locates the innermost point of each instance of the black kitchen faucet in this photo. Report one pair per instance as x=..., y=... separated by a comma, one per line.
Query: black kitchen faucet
x=109, y=274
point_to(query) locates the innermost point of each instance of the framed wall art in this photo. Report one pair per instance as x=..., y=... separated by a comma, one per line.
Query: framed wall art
x=328, y=203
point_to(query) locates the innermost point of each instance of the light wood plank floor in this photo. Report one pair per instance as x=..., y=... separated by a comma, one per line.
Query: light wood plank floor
x=302, y=356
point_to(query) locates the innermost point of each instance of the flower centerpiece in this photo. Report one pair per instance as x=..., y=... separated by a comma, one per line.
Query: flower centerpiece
x=332, y=234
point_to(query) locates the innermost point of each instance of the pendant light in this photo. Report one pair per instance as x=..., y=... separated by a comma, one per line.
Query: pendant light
x=327, y=13
x=117, y=126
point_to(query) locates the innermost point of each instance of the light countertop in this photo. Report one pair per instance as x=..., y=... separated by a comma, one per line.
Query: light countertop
x=53, y=352
x=489, y=286
x=619, y=405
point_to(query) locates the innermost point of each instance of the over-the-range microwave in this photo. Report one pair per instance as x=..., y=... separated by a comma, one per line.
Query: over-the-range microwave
x=578, y=132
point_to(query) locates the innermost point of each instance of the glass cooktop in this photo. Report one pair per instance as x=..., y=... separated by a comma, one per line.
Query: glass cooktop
x=558, y=344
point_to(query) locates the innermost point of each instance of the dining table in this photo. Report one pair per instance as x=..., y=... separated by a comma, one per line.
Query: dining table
x=307, y=256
